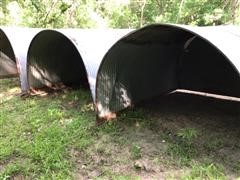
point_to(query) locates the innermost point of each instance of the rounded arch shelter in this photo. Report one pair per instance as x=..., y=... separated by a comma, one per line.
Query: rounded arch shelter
x=14, y=43
x=68, y=56
x=160, y=58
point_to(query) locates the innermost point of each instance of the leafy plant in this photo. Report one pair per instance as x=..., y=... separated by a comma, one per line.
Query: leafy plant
x=187, y=134
x=136, y=151
x=117, y=14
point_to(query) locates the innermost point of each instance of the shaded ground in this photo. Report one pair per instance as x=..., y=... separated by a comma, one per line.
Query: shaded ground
x=215, y=121
x=179, y=136
x=176, y=136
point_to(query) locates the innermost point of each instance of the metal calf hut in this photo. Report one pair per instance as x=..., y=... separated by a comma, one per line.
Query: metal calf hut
x=14, y=43
x=68, y=56
x=160, y=58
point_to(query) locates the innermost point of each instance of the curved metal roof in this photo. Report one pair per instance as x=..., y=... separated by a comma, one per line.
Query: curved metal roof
x=111, y=57
x=167, y=43
x=92, y=44
x=225, y=38
x=19, y=39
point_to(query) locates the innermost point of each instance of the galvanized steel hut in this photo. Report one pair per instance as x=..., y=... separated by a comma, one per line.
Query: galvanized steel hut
x=160, y=58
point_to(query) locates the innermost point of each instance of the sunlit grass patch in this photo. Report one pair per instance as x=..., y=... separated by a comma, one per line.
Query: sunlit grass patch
x=55, y=137
x=205, y=171
x=41, y=131
x=17, y=168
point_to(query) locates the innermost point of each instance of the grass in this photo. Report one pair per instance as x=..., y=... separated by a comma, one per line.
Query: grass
x=40, y=130
x=55, y=137
x=136, y=151
x=182, y=146
x=205, y=171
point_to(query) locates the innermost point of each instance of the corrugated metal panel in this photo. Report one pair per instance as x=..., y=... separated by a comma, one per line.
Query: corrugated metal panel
x=91, y=44
x=16, y=47
x=225, y=38
x=8, y=67
x=150, y=61
x=160, y=58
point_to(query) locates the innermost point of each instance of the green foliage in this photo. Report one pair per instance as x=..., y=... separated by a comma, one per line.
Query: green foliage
x=187, y=134
x=36, y=133
x=205, y=171
x=117, y=13
x=237, y=167
x=44, y=13
x=13, y=169
x=48, y=149
x=136, y=151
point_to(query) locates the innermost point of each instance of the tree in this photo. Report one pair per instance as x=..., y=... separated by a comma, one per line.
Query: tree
x=117, y=13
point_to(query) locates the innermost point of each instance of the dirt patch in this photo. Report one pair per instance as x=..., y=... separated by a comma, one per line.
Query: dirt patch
x=108, y=157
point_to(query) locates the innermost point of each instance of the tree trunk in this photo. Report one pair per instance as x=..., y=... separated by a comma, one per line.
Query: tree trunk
x=142, y=12
x=180, y=10
x=234, y=7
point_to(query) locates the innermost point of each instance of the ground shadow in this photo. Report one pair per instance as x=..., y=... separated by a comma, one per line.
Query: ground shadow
x=151, y=131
